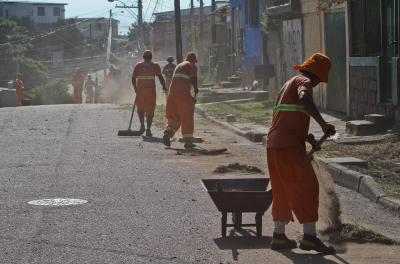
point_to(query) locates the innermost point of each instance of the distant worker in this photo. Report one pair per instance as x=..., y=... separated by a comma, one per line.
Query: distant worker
x=144, y=83
x=89, y=90
x=293, y=180
x=180, y=103
x=77, y=82
x=19, y=90
x=168, y=71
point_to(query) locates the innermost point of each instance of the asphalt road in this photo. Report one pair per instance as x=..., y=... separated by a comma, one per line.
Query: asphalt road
x=145, y=203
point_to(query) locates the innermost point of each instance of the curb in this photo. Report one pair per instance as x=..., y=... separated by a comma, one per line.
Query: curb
x=361, y=183
x=252, y=135
x=235, y=130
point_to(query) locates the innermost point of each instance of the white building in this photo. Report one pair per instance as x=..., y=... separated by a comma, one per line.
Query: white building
x=38, y=12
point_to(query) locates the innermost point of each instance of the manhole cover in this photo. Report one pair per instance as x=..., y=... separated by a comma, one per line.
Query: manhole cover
x=57, y=202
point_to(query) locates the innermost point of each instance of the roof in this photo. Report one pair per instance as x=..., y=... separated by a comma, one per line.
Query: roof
x=196, y=10
x=31, y=3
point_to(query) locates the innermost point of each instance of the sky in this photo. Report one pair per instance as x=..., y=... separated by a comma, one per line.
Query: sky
x=100, y=8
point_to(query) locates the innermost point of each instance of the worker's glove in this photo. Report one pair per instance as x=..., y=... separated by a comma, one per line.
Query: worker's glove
x=313, y=142
x=329, y=129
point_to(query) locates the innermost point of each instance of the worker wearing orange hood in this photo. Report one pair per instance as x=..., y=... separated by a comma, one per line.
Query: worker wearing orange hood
x=144, y=83
x=294, y=183
x=19, y=90
x=180, y=103
x=78, y=81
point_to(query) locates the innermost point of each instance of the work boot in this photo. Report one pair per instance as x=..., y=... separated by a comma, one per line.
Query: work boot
x=141, y=119
x=312, y=242
x=148, y=133
x=189, y=145
x=166, y=139
x=282, y=242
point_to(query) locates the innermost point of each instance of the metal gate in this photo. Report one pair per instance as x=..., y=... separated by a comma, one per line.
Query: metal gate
x=335, y=39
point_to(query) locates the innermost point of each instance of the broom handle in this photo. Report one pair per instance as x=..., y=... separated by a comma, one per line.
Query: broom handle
x=133, y=111
x=319, y=143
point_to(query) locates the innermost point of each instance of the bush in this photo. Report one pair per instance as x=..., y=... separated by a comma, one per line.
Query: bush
x=52, y=92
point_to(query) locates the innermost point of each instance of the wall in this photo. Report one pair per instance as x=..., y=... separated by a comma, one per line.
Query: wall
x=30, y=10
x=364, y=86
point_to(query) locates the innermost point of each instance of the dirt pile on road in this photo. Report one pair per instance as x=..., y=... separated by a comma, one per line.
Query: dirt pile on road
x=236, y=167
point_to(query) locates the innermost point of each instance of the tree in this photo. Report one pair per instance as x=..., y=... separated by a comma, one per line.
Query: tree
x=134, y=33
x=14, y=46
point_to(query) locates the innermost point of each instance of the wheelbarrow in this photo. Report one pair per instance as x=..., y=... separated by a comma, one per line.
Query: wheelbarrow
x=237, y=196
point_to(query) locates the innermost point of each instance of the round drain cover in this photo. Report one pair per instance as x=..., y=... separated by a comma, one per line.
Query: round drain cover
x=57, y=202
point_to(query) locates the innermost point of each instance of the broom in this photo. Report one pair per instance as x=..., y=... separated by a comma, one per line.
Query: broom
x=129, y=132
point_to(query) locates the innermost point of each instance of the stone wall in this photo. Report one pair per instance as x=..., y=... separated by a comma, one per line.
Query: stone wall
x=364, y=90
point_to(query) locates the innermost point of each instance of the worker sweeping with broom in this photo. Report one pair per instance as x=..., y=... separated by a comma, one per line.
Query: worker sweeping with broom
x=180, y=103
x=143, y=80
x=293, y=180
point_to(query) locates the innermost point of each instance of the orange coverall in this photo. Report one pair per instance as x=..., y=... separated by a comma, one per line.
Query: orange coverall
x=293, y=180
x=145, y=73
x=19, y=86
x=180, y=105
x=77, y=82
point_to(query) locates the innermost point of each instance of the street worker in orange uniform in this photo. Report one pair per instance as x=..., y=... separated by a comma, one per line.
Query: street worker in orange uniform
x=144, y=83
x=19, y=89
x=180, y=103
x=294, y=183
x=168, y=71
x=89, y=90
x=77, y=82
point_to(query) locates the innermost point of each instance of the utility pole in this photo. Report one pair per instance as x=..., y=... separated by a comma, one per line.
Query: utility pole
x=201, y=20
x=139, y=16
x=178, y=31
x=213, y=28
x=191, y=14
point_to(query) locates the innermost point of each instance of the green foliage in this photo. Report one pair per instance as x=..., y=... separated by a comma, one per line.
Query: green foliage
x=193, y=38
x=255, y=111
x=268, y=23
x=52, y=92
x=12, y=39
x=134, y=33
x=33, y=72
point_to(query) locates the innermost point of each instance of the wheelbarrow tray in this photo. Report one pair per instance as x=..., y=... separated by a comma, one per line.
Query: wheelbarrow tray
x=239, y=195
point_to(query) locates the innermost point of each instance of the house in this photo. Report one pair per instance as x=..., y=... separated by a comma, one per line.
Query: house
x=97, y=28
x=38, y=12
x=162, y=37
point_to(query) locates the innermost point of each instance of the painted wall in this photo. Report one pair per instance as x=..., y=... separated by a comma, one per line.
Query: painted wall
x=253, y=36
x=30, y=10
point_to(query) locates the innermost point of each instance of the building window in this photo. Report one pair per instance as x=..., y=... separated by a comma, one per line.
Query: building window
x=56, y=11
x=365, y=27
x=252, y=13
x=40, y=11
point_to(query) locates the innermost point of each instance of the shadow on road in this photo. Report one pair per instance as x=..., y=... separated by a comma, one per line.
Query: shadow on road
x=244, y=241
x=310, y=258
x=152, y=139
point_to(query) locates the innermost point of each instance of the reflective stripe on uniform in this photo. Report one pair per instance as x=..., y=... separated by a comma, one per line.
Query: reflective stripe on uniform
x=146, y=77
x=290, y=108
x=187, y=135
x=181, y=75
